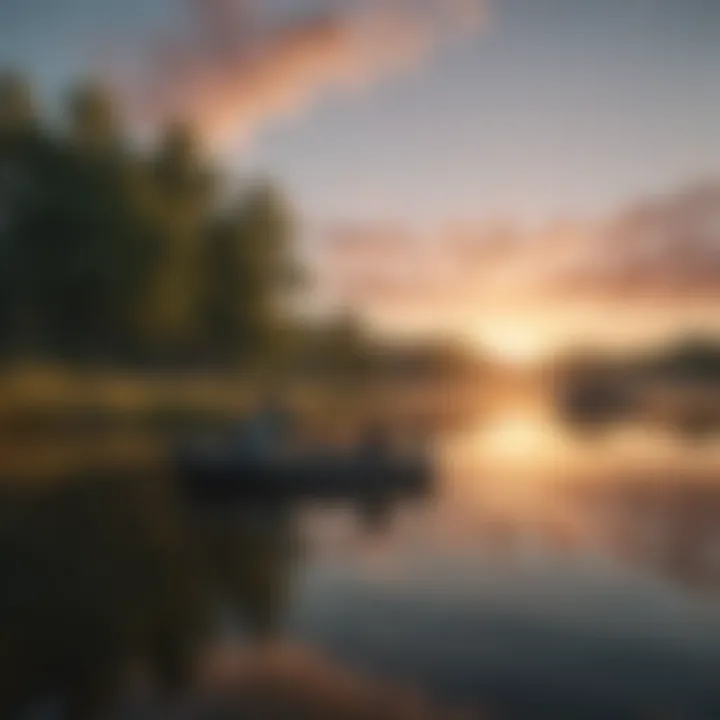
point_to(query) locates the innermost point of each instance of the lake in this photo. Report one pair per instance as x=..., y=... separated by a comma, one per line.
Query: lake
x=551, y=573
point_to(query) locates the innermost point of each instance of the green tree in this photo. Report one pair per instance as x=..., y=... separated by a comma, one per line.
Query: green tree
x=17, y=107
x=24, y=159
x=183, y=199
x=107, y=252
x=249, y=271
x=94, y=120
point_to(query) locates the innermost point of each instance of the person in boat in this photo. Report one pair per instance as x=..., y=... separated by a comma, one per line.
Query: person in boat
x=266, y=433
x=376, y=445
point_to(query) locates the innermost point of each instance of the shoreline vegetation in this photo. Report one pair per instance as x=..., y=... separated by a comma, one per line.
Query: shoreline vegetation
x=675, y=386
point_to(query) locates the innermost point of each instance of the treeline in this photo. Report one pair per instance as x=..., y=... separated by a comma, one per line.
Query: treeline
x=115, y=251
x=694, y=360
x=344, y=346
x=676, y=384
x=690, y=359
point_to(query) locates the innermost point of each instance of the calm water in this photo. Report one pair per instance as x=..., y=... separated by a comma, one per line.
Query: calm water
x=549, y=575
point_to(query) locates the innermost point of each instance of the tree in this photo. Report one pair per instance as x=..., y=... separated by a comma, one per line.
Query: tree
x=249, y=269
x=107, y=252
x=182, y=192
x=86, y=237
x=23, y=158
x=17, y=108
x=93, y=118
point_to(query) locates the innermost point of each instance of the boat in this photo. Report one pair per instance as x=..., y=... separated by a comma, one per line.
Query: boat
x=222, y=474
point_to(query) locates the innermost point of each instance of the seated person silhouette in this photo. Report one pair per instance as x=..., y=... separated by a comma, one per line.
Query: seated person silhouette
x=266, y=433
x=376, y=445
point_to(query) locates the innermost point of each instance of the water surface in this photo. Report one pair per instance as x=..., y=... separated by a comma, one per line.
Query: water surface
x=549, y=574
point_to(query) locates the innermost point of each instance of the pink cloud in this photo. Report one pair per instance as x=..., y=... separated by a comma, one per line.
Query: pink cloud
x=239, y=65
x=663, y=250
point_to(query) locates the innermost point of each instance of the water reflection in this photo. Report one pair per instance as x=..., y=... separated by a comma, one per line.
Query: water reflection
x=575, y=572
x=247, y=557
x=633, y=493
x=669, y=525
x=114, y=578
x=98, y=576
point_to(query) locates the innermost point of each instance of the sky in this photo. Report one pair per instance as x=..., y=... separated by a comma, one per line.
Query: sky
x=524, y=172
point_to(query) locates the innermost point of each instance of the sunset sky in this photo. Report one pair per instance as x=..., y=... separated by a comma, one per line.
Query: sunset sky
x=529, y=173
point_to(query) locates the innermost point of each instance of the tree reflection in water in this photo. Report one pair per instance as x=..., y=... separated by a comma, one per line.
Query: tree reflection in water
x=247, y=556
x=118, y=596
x=112, y=584
x=99, y=577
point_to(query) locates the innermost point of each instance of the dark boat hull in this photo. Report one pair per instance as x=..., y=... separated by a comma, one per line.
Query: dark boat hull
x=301, y=478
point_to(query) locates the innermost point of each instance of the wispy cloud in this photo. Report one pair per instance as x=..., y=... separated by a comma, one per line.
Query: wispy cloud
x=240, y=64
x=663, y=250
x=667, y=247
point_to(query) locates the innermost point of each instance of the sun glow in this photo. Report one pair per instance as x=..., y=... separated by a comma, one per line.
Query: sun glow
x=515, y=345
x=524, y=437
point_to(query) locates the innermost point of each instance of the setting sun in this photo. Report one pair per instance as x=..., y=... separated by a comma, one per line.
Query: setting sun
x=515, y=345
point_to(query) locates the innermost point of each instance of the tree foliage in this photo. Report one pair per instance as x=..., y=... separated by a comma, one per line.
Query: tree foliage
x=109, y=252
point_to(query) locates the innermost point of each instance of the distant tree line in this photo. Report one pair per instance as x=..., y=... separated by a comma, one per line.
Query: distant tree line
x=344, y=346
x=597, y=387
x=695, y=359
x=113, y=251
x=688, y=359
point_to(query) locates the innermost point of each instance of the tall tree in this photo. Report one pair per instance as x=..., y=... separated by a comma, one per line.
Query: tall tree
x=183, y=201
x=107, y=252
x=24, y=155
x=90, y=238
x=249, y=268
x=17, y=108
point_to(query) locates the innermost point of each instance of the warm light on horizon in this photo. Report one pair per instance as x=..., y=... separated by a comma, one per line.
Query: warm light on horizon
x=516, y=345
